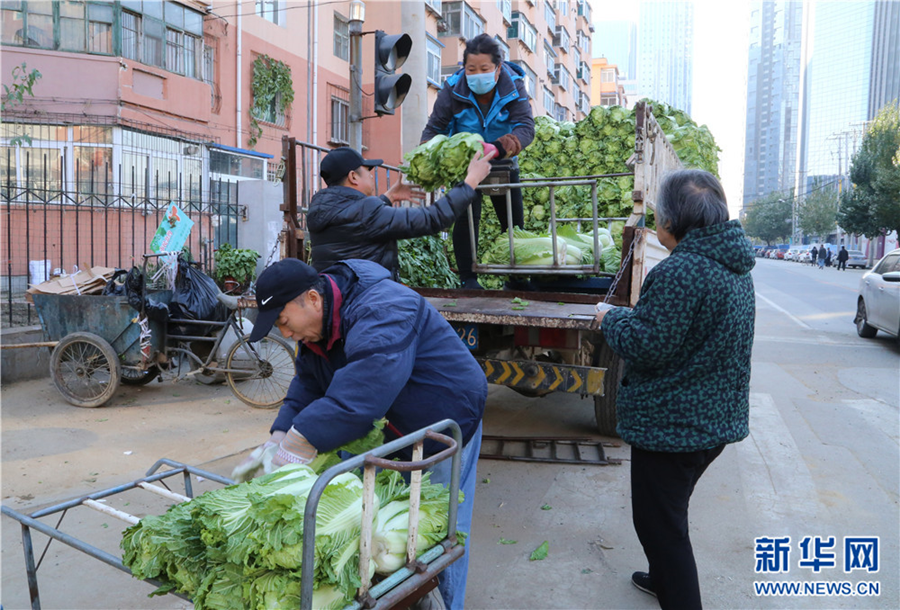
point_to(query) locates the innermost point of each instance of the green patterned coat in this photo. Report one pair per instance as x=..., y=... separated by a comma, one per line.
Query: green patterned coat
x=686, y=345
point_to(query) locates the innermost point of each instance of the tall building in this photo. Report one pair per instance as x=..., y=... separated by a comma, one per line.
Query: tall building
x=835, y=87
x=773, y=80
x=885, y=83
x=617, y=42
x=665, y=52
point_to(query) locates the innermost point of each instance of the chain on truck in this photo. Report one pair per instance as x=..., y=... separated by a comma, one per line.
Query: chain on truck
x=551, y=344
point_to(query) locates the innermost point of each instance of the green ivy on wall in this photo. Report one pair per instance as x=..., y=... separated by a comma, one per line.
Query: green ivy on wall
x=271, y=81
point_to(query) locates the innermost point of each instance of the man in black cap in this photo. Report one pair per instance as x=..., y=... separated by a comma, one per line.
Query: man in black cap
x=369, y=348
x=346, y=220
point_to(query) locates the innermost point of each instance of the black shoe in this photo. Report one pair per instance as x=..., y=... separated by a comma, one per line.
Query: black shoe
x=641, y=580
x=472, y=284
x=523, y=285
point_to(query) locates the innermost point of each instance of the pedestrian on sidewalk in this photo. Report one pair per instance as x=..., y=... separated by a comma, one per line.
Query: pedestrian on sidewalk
x=685, y=392
x=842, y=258
x=822, y=254
x=828, y=257
x=813, y=254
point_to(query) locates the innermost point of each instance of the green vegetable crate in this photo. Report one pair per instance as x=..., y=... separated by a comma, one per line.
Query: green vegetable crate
x=416, y=570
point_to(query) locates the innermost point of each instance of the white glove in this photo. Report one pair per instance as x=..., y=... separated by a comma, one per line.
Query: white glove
x=293, y=449
x=260, y=461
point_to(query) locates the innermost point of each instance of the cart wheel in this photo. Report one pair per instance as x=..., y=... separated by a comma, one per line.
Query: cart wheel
x=85, y=369
x=605, y=406
x=270, y=368
x=133, y=377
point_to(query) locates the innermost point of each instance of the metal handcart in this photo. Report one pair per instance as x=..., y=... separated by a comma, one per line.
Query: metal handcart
x=100, y=341
x=401, y=588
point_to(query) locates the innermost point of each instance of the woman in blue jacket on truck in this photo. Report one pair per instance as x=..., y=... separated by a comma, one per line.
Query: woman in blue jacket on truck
x=486, y=96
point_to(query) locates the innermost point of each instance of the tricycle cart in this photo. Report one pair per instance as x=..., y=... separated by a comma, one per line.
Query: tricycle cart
x=102, y=340
x=398, y=590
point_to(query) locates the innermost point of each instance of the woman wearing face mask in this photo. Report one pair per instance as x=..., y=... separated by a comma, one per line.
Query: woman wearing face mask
x=486, y=96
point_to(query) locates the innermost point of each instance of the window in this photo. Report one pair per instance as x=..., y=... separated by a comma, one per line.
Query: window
x=174, y=51
x=269, y=10
x=549, y=59
x=341, y=37
x=530, y=79
x=433, y=67
x=272, y=113
x=561, y=38
x=504, y=48
x=550, y=15
x=584, y=10
x=460, y=20
x=340, y=120
x=563, y=7
x=549, y=101
x=562, y=113
x=563, y=77
x=522, y=30
x=131, y=36
x=208, y=73
x=505, y=8
x=434, y=4
x=607, y=76
x=608, y=99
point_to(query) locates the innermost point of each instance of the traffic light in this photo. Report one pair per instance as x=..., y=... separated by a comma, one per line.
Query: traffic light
x=391, y=52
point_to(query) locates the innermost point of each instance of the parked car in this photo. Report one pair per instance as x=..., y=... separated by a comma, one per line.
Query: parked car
x=878, y=303
x=857, y=259
x=804, y=256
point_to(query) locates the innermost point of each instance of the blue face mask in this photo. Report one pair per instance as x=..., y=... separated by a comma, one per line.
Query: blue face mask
x=479, y=84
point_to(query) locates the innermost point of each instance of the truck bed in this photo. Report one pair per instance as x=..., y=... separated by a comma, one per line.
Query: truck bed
x=499, y=307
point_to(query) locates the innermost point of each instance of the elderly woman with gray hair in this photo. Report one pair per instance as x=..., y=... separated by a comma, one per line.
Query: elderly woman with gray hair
x=685, y=390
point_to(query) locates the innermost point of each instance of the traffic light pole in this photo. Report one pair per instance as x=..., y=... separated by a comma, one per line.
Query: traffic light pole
x=356, y=109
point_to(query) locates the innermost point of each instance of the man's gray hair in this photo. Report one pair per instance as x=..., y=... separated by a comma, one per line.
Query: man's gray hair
x=690, y=199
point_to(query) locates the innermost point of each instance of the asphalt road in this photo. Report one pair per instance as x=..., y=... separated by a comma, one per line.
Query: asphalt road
x=822, y=461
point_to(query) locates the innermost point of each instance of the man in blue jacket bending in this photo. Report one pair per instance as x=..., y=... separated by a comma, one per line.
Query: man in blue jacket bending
x=371, y=348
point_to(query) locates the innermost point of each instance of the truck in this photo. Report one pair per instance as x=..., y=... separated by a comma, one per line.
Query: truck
x=536, y=342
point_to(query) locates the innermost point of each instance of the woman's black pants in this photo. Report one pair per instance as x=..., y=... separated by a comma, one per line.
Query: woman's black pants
x=462, y=246
x=661, y=488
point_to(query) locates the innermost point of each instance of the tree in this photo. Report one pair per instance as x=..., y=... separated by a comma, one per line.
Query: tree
x=873, y=208
x=818, y=212
x=769, y=218
x=13, y=96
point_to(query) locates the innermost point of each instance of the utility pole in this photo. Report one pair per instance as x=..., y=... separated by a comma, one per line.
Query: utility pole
x=357, y=16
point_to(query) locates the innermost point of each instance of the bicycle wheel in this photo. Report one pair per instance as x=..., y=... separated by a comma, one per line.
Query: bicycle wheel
x=85, y=369
x=269, y=366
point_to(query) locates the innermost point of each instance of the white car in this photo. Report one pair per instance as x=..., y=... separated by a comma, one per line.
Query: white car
x=857, y=259
x=878, y=304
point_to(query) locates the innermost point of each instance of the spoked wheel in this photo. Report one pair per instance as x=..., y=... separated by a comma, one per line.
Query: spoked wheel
x=135, y=377
x=269, y=366
x=85, y=369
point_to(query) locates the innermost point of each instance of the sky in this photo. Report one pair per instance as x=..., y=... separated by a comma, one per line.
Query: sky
x=721, y=38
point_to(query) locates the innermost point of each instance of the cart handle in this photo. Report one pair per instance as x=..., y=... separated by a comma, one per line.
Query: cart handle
x=420, y=464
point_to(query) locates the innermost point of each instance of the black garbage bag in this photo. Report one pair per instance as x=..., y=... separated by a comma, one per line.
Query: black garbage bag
x=134, y=288
x=115, y=287
x=195, y=299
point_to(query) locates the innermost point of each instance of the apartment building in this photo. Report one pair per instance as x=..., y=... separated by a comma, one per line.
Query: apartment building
x=607, y=86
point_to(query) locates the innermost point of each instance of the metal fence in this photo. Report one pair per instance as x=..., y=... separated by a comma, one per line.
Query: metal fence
x=50, y=226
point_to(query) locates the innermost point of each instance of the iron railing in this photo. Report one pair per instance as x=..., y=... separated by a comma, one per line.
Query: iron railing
x=50, y=226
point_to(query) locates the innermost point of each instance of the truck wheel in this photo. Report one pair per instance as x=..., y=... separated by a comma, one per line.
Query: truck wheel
x=605, y=406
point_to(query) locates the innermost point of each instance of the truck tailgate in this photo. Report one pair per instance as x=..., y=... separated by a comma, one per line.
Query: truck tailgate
x=503, y=310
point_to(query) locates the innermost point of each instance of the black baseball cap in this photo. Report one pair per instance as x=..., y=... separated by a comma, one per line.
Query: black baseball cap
x=277, y=286
x=341, y=161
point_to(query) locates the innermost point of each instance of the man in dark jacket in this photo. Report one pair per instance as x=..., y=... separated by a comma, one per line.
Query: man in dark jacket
x=371, y=348
x=346, y=220
x=842, y=258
